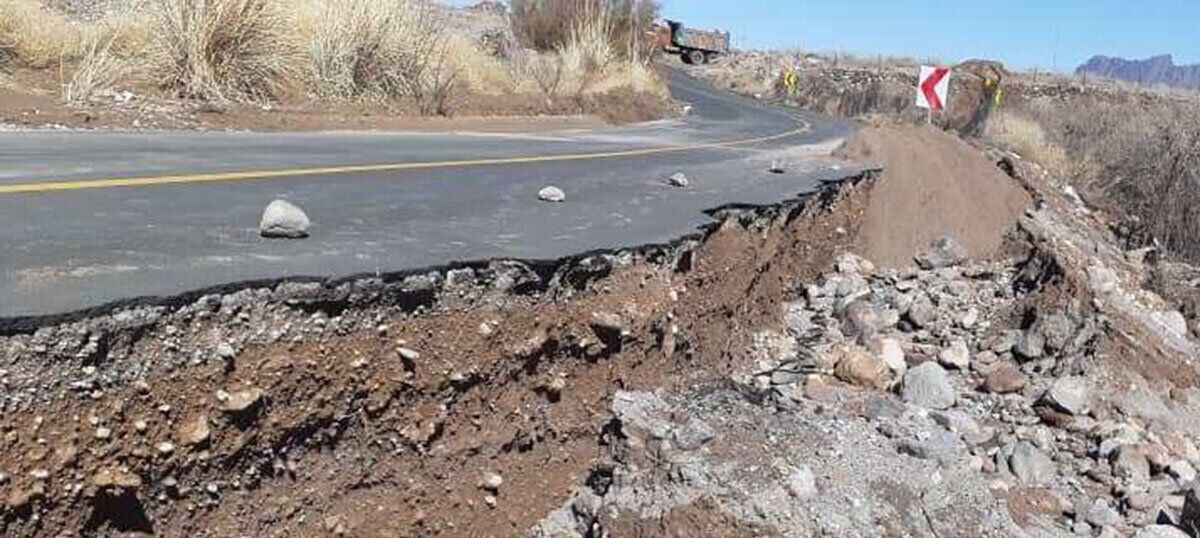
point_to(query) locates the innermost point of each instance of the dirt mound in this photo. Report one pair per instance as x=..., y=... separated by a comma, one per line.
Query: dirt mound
x=934, y=184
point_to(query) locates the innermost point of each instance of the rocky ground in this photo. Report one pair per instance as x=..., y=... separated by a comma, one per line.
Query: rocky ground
x=760, y=378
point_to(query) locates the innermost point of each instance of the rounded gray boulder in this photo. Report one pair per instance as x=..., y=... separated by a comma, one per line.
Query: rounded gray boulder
x=928, y=386
x=282, y=219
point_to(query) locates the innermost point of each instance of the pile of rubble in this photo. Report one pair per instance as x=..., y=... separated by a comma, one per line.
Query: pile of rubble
x=949, y=398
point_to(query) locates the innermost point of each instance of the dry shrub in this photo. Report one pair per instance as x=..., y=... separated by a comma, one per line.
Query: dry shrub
x=224, y=49
x=477, y=71
x=584, y=47
x=1017, y=133
x=32, y=35
x=1141, y=160
x=383, y=49
x=99, y=70
x=551, y=25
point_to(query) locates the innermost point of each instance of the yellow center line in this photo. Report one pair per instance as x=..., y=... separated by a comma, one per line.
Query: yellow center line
x=25, y=188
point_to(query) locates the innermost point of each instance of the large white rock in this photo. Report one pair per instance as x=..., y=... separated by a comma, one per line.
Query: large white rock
x=1030, y=466
x=1173, y=321
x=1070, y=394
x=283, y=219
x=928, y=386
x=552, y=194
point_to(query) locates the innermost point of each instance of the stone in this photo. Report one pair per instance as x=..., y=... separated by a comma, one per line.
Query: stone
x=1182, y=471
x=861, y=321
x=1031, y=345
x=928, y=386
x=859, y=367
x=103, y=433
x=1129, y=463
x=1173, y=321
x=957, y=355
x=20, y=499
x=492, y=481
x=242, y=401
x=226, y=352
x=892, y=354
x=115, y=479
x=1004, y=342
x=1005, y=379
x=969, y=319
x=1056, y=330
x=1161, y=531
x=921, y=313
x=552, y=194
x=166, y=448
x=957, y=422
x=943, y=252
x=607, y=322
x=1178, y=445
x=195, y=432
x=678, y=179
x=282, y=219
x=1115, y=436
x=1101, y=514
x=1102, y=279
x=1142, y=501
x=802, y=484
x=848, y=262
x=937, y=445
x=1070, y=394
x=1030, y=465
x=694, y=434
x=407, y=354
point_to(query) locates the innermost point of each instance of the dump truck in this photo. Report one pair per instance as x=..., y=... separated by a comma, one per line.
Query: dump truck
x=693, y=46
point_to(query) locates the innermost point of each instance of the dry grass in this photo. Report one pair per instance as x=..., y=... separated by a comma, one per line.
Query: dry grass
x=376, y=50
x=553, y=25
x=33, y=36
x=591, y=47
x=224, y=49
x=1026, y=137
x=367, y=48
x=99, y=70
x=1138, y=160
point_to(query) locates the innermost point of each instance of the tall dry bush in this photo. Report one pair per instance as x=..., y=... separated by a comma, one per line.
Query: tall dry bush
x=32, y=35
x=585, y=46
x=224, y=50
x=550, y=25
x=97, y=71
x=385, y=49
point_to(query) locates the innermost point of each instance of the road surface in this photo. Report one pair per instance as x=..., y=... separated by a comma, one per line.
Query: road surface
x=88, y=218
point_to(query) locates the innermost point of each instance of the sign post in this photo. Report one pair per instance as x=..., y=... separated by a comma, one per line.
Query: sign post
x=933, y=89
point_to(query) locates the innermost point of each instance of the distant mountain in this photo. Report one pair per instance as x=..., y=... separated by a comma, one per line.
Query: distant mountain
x=1152, y=71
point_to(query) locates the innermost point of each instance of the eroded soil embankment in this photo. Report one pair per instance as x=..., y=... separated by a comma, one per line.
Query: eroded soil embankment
x=377, y=408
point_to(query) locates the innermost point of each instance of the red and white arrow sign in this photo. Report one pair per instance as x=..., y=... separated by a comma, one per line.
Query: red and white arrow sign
x=933, y=87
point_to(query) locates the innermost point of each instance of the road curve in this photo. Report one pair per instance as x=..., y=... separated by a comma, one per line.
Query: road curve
x=90, y=218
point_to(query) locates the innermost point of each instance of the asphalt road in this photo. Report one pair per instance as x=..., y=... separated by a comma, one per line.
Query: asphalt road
x=90, y=218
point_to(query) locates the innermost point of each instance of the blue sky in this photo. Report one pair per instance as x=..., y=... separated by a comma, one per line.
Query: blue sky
x=1024, y=34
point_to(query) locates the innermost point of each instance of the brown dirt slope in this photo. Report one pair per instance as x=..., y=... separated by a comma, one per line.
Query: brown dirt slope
x=934, y=184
